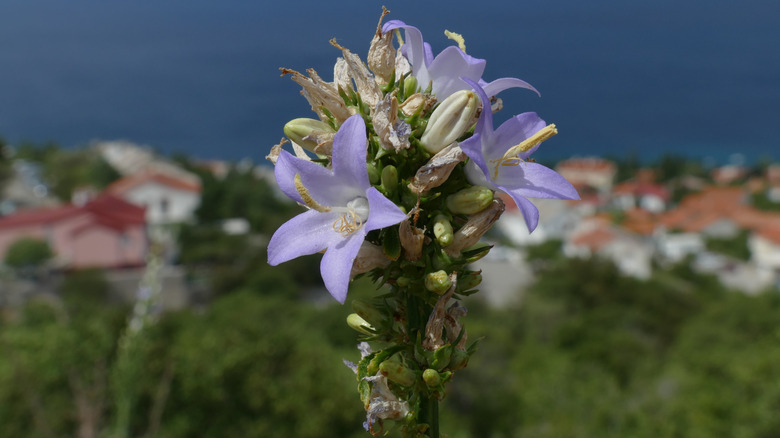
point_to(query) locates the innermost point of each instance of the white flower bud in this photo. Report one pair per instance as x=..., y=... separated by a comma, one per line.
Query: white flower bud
x=451, y=119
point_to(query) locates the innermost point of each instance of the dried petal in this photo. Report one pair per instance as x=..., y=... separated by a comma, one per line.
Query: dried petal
x=437, y=170
x=369, y=257
x=435, y=326
x=275, y=151
x=382, y=405
x=393, y=133
x=320, y=94
x=416, y=101
x=412, y=239
x=364, y=80
x=381, y=54
x=477, y=225
x=453, y=325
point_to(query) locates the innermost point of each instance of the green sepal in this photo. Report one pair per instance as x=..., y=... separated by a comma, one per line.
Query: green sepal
x=441, y=357
x=374, y=174
x=476, y=252
x=391, y=243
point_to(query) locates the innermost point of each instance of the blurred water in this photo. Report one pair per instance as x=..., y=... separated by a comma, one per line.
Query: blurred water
x=694, y=77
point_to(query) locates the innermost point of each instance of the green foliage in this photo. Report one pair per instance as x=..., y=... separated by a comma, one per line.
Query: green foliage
x=28, y=252
x=261, y=367
x=547, y=250
x=588, y=353
x=736, y=246
x=762, y=202
x=66, y=170
x=241, y=193
x=5, y=164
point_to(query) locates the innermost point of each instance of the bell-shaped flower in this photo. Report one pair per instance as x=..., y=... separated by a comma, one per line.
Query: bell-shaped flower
x=343, y=207
x=448, y=67
x=498, y=159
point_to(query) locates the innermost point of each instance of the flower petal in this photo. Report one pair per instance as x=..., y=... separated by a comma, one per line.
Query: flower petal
x=337, y=264
x=312, y=175
x=476, y=175
x=501, y=84
x=485, y=123
x=472, y=147
x=513, y=132
x=449, y=67
x=381, y=211
x=535, y=181
x=526, y=207
x=415, y=48
x=308, y=233
x=349, y=153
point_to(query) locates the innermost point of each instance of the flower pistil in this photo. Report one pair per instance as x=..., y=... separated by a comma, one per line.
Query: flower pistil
x=512, y=156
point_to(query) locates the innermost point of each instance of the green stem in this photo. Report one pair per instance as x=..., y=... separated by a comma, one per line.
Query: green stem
x=417, y=314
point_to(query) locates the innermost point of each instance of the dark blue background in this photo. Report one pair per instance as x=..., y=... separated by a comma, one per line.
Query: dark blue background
x=697, y=77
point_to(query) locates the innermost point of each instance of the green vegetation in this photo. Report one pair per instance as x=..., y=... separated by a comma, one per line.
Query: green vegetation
x=66, y=170
x=762, y=202
x=736, y=246
x=28, y=252
x=589, y=353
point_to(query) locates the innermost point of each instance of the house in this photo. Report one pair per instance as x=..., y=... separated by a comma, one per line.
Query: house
x=637, y=194
x=105, y=233
x=629, y=252
x=764, y=244
x=597, y=173
x=168, y=198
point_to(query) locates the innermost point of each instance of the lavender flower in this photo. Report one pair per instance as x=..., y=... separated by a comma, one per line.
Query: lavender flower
x=343, y=208
x=446, y=69
x=498, y=159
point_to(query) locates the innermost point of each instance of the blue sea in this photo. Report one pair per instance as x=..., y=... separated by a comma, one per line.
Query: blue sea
x=699, y=78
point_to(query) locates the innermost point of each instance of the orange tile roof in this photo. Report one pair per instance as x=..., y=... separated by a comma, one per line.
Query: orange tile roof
x=595, y=239
x=771, y=233
x=124, y=184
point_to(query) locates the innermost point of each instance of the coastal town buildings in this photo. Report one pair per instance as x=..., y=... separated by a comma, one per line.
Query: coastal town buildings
x=106, y=232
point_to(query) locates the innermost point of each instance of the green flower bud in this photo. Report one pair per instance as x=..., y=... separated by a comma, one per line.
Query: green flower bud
x=410, y=85
x=431, y=378
x=470, y=200
x=450, y=120
x=403, y=281
x=373, y=173
x=359, y=324
x=442, y=229
x=438, y=282
x=389, y=180
x=441, y=357
x=368, y=312
x=305, y=131
x=395, y=370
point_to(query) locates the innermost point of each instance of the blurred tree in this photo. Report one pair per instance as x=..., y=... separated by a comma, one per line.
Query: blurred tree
x=28, y=252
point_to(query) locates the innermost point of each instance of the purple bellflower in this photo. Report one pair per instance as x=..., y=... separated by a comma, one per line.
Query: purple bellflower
x=343, y=207
x=498, y=159
x=446, y=69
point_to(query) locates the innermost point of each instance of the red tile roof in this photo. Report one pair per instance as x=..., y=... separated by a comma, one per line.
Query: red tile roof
x=107, y=210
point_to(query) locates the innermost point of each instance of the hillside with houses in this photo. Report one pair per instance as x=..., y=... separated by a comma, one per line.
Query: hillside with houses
x=119, y=197
x=649, y=308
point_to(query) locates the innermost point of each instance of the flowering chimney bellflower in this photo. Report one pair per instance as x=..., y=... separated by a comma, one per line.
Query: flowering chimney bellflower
x=343, y=207
x=498, y=159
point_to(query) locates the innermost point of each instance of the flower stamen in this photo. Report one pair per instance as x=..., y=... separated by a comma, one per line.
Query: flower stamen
x=512, y=156
x=307, y=199
x=348, y=223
